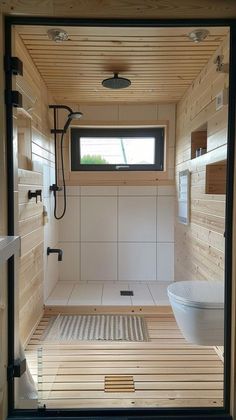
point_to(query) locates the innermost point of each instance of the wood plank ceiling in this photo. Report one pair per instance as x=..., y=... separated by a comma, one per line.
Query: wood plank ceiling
x=160, y=62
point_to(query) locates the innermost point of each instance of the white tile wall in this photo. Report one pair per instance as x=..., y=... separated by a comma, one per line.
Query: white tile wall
x=69, y=269
x=96, y=191
x=98, y=218
x=118, y=233
x=51, y=269
x=69, y=226
x=98, y=261
x=137, y=191
x=137, y=261
x=137, y=219
x=165, y=218
x=165, y=262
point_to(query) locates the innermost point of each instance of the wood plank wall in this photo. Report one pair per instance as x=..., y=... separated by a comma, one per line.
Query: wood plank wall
x=31, y=261
x=199, y=248
x=152, y=9
x=39, y=153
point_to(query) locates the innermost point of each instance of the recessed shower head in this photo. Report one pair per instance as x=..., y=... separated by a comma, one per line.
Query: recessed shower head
x=72, y=116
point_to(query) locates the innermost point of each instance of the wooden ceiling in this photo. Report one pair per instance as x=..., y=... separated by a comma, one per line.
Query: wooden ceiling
x=160, y=62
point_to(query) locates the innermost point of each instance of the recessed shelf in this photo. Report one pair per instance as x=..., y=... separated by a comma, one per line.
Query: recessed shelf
x=24, y=121
x=198, y=141
x=216, y=178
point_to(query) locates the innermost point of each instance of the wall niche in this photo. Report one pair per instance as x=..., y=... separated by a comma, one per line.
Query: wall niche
x=216, y=178
x=199, y=142
x=24, y=122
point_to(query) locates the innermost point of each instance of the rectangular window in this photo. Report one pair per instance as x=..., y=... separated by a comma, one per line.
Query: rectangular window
x=112, y=149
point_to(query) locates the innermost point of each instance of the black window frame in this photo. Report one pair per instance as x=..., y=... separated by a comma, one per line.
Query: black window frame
x=157, y=132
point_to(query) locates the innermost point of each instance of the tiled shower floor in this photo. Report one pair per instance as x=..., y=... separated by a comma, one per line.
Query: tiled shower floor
x=108, y=293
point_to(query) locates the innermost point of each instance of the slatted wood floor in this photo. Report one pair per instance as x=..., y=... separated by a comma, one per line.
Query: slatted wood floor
x=167, y=371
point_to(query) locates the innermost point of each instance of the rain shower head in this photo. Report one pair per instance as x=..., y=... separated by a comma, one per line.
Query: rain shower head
x=72, y=116
x=116, y=82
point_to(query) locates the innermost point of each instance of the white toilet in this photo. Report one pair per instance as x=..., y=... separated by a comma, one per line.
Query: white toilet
x=198, y=307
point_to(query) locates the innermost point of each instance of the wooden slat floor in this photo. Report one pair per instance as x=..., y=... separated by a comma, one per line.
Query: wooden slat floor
x=167, y=371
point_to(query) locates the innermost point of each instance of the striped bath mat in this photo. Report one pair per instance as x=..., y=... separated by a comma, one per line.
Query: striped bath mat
x=96, y=327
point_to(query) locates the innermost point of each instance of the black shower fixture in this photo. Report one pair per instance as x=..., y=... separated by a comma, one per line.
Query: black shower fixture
x=54, y=187
x=116, y=82
x=71, y=116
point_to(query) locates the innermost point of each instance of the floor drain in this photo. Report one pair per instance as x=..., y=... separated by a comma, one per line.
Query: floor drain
x=119, y=383
x=126, y=293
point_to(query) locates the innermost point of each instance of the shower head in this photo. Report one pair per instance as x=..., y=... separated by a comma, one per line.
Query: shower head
x=72, y=116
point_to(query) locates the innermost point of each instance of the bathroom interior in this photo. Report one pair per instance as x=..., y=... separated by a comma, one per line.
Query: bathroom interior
x=144, y=241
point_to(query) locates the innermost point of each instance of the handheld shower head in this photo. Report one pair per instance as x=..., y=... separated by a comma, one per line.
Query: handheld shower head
x=72, y=116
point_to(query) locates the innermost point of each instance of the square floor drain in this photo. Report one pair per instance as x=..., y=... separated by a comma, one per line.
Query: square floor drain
x=126, y=293
x=119, y=383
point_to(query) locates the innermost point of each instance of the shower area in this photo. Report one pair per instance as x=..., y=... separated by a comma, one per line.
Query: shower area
x=102, y=233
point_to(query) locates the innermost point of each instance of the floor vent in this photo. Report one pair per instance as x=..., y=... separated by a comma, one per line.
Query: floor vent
x=119, y=383
x=126, y=293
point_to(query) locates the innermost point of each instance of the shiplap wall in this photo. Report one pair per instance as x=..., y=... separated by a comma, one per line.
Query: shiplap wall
x=199, y=247
x=122, y=115
x=37, y=273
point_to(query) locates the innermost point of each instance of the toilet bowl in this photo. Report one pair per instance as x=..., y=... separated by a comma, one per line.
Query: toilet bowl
x=198, y=307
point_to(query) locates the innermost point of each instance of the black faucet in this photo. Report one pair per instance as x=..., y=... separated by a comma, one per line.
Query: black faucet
x=55, y=251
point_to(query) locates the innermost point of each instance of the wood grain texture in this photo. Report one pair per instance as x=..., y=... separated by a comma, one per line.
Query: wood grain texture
x=36, y=153
x=160, y=62
x=151, y=9
x=199, y=250
x=163, y=372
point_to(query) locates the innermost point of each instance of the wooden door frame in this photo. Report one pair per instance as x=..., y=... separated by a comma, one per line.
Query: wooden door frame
x=194, y=413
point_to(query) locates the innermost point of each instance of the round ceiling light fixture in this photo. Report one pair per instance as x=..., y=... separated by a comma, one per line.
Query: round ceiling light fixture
x=57, y=35
x=116, y=82
x=198, y=35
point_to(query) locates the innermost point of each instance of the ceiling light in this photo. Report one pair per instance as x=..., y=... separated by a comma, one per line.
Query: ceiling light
x=116, y=82
x=198, y=35
x=57, y=35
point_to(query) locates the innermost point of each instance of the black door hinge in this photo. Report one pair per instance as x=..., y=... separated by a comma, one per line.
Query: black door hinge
x=14, y=66
x=14, y=98
x=17, y=369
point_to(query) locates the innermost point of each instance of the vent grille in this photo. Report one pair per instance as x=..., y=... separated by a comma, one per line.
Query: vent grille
x=119, y=383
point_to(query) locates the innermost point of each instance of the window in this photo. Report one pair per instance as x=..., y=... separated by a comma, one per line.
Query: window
x=112, y=149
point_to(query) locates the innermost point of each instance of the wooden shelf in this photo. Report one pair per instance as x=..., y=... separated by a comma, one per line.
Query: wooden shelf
x=216, y=178
x=198, y=140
